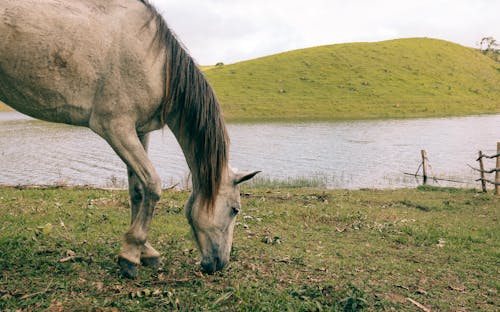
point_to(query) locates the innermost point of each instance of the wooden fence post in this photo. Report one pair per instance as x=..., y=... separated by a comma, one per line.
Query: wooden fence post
x=497, y=173
x=424, y=165
x=481, y=167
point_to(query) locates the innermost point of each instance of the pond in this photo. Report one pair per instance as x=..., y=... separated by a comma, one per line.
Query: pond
x=344, y=154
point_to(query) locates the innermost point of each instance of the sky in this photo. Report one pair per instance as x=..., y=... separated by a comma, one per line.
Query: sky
x=230, y=31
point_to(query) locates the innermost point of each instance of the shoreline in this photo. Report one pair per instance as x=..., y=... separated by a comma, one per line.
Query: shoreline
x=310, y=119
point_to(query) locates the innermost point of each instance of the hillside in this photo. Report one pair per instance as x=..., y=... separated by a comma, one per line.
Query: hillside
x=401, y=78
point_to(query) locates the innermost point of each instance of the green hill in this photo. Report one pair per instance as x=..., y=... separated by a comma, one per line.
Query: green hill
x=401, y=78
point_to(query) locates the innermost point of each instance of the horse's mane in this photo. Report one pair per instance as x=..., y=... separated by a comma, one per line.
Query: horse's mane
x=190, y=101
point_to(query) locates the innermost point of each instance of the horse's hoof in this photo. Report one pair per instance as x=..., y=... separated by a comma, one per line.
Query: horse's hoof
x=127, y=268
x=152, y=262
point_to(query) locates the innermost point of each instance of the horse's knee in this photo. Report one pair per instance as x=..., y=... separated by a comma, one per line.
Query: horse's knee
x=154, y=189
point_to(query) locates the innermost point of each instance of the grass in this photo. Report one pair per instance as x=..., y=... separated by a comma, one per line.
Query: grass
x=404, y=78
x=295, y=249
x=317, y=181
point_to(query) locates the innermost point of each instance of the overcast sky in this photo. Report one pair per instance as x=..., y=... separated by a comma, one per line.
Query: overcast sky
x=234, y=30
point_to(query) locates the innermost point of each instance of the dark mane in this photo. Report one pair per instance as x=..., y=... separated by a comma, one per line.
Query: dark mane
x=191, y=101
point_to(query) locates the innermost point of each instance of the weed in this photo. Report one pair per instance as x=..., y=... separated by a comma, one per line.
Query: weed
x=354, y=299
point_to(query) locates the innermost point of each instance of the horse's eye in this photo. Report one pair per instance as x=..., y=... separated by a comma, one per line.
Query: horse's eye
x=235, y=210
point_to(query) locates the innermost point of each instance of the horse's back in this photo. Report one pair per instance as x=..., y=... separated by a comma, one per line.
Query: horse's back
x=58, y=58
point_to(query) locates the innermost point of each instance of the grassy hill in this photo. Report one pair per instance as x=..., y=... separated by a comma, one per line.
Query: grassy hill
x=392, y=79
x=402, y=78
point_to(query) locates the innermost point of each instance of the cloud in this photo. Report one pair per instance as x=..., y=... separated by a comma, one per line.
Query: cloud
x=234, y=30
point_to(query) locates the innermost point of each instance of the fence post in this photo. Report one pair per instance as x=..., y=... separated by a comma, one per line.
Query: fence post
x=481, y=167
x=424, y=165
x=497, y=173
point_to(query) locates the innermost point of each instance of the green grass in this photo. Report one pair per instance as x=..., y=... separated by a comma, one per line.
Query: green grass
x=404, y=78
x=294, y=249
x=318, y=181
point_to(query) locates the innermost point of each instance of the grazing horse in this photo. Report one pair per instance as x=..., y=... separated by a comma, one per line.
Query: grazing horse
x=115, y=67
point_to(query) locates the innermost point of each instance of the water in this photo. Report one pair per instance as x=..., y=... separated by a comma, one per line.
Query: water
x=347, y=154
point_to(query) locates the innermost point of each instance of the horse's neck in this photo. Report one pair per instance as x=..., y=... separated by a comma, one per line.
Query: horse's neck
x=184, y=142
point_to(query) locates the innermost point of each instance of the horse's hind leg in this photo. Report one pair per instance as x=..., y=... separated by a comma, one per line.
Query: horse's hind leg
x=149, y=256
x=124, y=140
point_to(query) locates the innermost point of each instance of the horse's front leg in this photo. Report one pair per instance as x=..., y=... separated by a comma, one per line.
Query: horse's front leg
x=149, y=256
x=145, y=193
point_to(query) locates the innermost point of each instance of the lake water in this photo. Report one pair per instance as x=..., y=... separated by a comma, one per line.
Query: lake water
x=346, y=154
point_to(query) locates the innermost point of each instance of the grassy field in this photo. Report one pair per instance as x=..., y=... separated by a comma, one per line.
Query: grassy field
x=295, y=249
x=403, y=78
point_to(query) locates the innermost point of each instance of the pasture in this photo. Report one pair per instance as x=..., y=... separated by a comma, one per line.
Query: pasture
x=402, y=78
x=295, y=248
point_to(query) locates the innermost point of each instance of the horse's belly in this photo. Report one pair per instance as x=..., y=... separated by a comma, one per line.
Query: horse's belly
x=46, y=72
x=44, y=93
x=50, y=107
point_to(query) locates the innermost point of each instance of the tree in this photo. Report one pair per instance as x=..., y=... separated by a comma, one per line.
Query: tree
x=489, y=46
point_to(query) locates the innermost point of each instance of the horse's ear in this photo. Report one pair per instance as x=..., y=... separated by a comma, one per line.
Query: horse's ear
x=241, y=177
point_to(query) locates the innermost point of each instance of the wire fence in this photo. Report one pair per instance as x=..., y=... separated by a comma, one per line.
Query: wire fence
x=426, y=170
x=482, y=171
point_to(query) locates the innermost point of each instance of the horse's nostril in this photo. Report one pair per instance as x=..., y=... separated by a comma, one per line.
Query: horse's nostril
x=208, y=266
x=220, y=264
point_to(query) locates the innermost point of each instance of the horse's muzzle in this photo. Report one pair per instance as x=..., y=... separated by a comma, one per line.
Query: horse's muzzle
x=211, y=265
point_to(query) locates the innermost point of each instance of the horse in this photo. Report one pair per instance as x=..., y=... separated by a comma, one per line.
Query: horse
x=115, y=67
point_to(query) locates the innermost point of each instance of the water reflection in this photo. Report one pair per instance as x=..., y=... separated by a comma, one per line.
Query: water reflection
x=350, y=154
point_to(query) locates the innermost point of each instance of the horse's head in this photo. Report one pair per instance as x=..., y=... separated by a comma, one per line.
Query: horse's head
x=213, y=230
